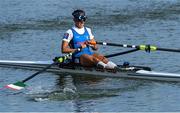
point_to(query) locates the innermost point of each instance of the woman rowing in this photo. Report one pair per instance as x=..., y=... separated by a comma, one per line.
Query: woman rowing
x=81, y=38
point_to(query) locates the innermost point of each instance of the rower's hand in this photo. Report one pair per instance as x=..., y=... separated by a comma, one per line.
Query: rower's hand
x=92, y=44
x=83, y=45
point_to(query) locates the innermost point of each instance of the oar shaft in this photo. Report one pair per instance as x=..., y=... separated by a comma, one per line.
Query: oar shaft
x=118, y=45
x=60, y=60
x=170, y=50
x=44, y=69
x=140, y=47
x=121, y=53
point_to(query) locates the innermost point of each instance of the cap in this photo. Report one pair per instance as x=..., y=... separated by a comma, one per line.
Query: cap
x=79, y=15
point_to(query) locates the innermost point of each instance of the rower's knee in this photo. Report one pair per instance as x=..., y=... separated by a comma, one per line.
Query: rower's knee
x=87, y=60
x=101, y=58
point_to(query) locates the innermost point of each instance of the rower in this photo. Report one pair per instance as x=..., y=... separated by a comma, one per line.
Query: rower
x=81, y=38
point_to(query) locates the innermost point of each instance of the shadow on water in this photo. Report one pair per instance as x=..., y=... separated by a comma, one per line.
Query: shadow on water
x=79, y=88
x=85, y=88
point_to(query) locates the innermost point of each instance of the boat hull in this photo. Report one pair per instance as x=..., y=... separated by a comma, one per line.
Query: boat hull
x=130, y=72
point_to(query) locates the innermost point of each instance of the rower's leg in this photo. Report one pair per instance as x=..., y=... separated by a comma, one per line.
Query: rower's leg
x=101, y=58
x=96, y=60
x=109, y=64
x=88, y=60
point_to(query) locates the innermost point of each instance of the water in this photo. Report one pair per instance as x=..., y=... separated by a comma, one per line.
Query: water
x=33, y=29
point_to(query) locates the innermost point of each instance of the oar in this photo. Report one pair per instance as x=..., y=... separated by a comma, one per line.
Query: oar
x=21, y=84
x=121, y=53
x=147, y=48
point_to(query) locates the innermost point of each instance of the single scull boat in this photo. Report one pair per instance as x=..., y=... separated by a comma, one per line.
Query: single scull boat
x=123, y=71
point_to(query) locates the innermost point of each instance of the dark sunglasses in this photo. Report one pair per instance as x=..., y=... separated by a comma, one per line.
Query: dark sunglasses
x=81, y=18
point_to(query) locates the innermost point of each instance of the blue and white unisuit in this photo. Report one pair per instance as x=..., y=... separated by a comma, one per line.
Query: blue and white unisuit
x=77, y=40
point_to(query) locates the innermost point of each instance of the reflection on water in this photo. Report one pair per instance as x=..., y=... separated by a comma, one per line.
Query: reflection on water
x=84, y=88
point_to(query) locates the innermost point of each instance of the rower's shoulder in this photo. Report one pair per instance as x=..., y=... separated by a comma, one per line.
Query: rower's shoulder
x=69, y=31
x=88, y=28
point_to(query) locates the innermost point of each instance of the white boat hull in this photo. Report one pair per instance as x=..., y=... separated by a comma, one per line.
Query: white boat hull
x=128, y=72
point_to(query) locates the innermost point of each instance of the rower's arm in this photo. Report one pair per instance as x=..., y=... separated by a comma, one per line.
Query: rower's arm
x=65, y=48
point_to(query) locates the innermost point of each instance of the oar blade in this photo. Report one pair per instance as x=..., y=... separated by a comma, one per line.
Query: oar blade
x=16, y=86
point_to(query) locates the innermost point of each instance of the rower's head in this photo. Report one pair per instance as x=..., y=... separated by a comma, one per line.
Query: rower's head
x=79, y=18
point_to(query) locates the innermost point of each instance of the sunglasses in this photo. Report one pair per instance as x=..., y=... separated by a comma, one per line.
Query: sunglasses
x=81, y=18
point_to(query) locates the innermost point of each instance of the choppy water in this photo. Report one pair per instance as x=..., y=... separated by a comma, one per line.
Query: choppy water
x=33, y=29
